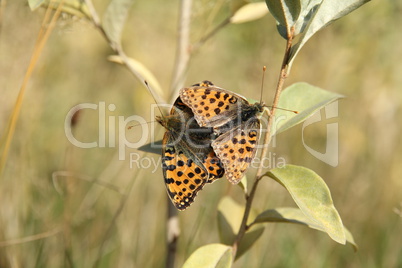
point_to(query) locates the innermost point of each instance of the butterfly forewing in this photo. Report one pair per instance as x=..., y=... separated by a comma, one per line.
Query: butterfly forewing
x=213, y=106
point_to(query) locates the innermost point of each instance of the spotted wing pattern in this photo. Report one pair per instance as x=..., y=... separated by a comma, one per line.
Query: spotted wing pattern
x=214, y=166
x=188, y=160
x=200, y=138
x=234, y=120
x=212, y=106
x=184, y=177
x=236, y=149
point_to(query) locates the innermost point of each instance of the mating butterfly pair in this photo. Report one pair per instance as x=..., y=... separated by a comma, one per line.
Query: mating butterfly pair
x=210, y=131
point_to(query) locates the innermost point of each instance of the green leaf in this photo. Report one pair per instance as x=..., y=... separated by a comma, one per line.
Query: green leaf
x=153, y=148
x=230, y=215
x=114, y=19
x=303, y=98
x=141, y=72
x=235, y=5
x=285, y=12
x=295, y=215
x=210, y=256
x=249, y=12
x=73, y=7
x=313, y=197
x=249, y=239
x=243, y=184
x=308, y=7
x=350, y=239
x=34, y=4
x=315, y=16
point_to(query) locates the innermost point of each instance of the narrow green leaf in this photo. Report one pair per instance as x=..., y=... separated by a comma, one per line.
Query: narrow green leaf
x=315, y=16
x=230, y=215
x=153, y=148
x=249, y=12
x=308, y=8
x=235, y=5
x=313, y=197
x=141, y=72
x=34, y=4
x=210, y=256
x=243, y=184
x=73, y=7
x=249, y=239
x=303, y=98
x=286, y=13
x=295, y=215
x=351, y=240
x=114, y=19
x=290, y=215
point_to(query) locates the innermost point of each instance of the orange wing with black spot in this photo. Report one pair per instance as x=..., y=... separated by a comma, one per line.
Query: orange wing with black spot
x=184, y=175
x=213, y=106
x=236, y=149
x=214, y=166
x=188, y=159
x=234, y=120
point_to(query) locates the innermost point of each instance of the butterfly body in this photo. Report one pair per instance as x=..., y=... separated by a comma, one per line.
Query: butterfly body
x=235, y=121
x=188, y=160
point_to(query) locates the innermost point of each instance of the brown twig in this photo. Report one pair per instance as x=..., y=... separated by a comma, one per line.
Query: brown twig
x=205, y=38
x=119, y=51
x=267, y=139
x=185, y=50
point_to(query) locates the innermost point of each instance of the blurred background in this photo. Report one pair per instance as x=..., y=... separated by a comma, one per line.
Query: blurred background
x=61, y=205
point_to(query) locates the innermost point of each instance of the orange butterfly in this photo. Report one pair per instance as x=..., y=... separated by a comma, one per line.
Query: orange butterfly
x=188, y=159
x=234, y=120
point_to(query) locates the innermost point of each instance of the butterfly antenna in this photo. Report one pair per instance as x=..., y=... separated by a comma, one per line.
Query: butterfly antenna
x=283, y=109
x=264, y=68
x=153, y=96
x=130, y=127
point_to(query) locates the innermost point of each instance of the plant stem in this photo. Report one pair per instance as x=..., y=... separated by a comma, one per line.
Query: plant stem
x=183, y=48
x=173, y=233
x=202, y=41
x=279, y=87
x=178, y=78
x=119, y=51
x=243, y=225
x=267, y=140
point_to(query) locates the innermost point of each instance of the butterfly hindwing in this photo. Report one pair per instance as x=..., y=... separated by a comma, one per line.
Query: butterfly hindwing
x=236, y=149
x=214, y=166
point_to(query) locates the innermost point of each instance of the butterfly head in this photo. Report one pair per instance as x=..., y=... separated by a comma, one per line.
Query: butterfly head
x=204, y=83
x=170, y=122
x=161, y=120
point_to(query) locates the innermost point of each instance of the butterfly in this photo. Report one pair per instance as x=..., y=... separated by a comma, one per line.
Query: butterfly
x=188, y=160
x=235, y=121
